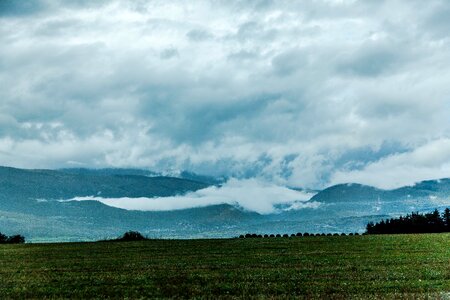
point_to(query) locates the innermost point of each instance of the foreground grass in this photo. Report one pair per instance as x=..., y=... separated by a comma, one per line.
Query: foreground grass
x=416, y=266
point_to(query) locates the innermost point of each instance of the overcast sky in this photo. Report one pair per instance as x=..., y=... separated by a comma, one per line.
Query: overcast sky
x=302, y=93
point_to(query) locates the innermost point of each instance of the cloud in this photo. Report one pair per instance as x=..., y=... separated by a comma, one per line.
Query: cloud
x=250, y=194
x=431, y=161
x=288, y=92
x=198, y=35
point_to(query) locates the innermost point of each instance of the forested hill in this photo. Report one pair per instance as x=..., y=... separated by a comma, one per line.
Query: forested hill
x=64, y=184
x=353, y=192
x=30, y=204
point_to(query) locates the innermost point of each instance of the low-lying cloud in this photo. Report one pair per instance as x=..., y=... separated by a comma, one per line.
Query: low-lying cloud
x=250, y=194
x=431, y=161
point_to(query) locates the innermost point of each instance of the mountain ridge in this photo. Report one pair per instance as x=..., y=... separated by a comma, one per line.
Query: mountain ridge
x=30, y=205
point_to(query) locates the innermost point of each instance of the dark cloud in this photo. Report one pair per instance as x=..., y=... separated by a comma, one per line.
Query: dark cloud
x=373, y=60
x=198, y=35
x=437, y=21
x=290, y=61
x=13, y=8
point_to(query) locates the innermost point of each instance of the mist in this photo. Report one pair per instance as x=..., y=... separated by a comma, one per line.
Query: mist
x=249, y=194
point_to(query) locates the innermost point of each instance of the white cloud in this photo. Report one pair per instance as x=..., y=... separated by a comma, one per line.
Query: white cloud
x=430, y=161
x=250, y=194
x=281, y=90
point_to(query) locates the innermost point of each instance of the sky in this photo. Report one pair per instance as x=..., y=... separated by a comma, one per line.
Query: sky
x=296, y=93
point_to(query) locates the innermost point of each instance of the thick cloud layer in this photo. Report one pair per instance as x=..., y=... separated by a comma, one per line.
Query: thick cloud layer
x=249, y=194
x=303, y=93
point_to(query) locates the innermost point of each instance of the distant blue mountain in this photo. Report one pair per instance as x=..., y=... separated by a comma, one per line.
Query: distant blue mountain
x=352, y=192
x=65, y=184
x=142, y=172
x=110, y=171
x=29, y=205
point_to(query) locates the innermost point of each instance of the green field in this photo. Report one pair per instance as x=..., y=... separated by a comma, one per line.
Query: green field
x=414, y=266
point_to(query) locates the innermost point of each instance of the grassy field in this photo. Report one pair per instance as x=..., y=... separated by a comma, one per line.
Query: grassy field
x=414, y=266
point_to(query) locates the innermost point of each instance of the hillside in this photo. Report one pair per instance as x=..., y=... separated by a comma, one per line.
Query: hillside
x=30, y=204
x=353, y=192
x=53, y=184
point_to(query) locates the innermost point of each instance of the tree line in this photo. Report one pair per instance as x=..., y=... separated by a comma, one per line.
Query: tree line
x=12, y=239
x=299, y=234
x=415, y=222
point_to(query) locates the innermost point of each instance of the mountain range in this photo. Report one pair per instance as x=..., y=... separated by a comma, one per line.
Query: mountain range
x=37, y=204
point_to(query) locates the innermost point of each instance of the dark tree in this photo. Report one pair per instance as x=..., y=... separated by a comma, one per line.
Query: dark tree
x=13, y=239
x=446, y=218
x=413, y=223
x=3, y=238
x=16, y=239
x=132, y=236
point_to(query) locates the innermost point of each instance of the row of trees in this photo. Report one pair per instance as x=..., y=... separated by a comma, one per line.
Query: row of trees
x=299, y=234
x=413, y=223
x=13, y=239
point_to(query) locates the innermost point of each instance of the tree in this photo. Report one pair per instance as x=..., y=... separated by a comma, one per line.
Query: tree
x=132, y=236
x=13, y=239
x=16, y=239
x=446, y=218
x=3, y=238
x=370, y=227
x=413, y=223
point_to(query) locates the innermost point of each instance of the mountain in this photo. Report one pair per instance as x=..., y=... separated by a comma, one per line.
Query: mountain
x=30, y=204
x=110, y=171
x=54, y=184
x=353, y=192
x=202, y=178
x=356, y=199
